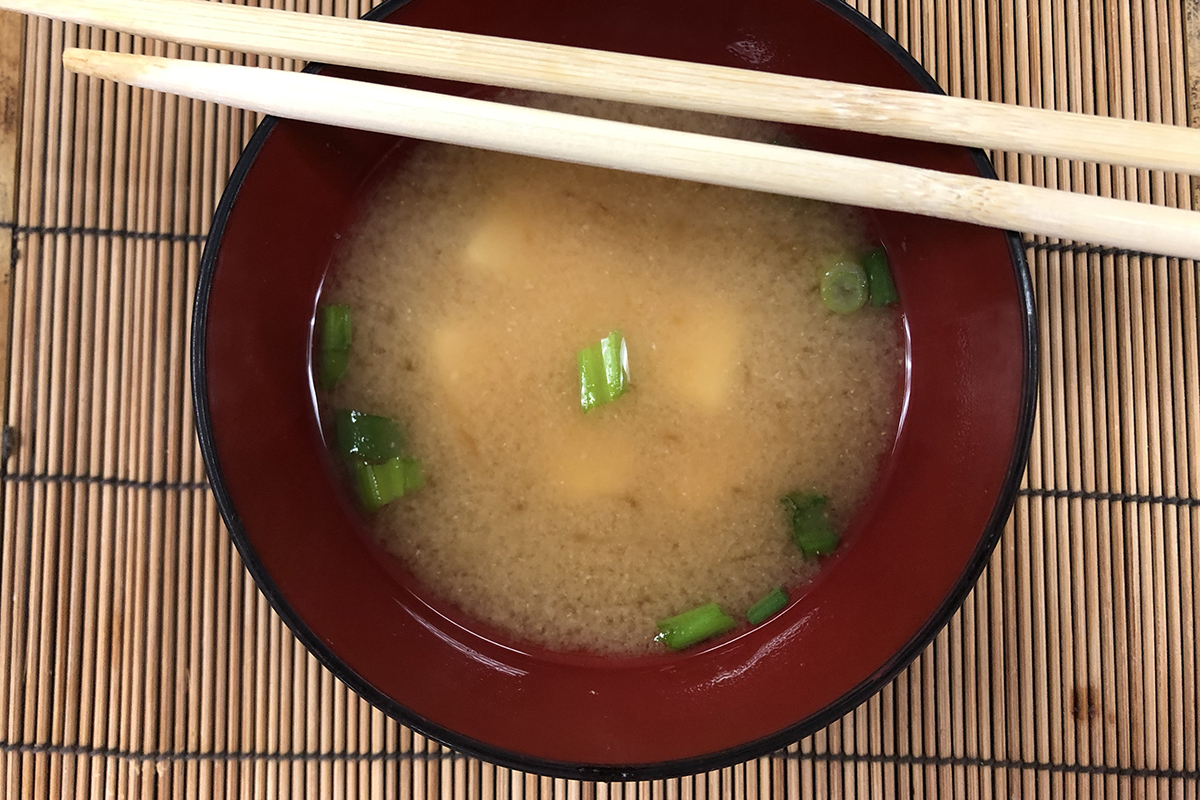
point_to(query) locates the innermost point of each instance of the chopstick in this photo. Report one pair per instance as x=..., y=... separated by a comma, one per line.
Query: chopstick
x=605, y=143
x=638, y=79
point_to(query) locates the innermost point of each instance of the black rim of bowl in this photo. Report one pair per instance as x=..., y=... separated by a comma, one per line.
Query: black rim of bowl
x=668, y=769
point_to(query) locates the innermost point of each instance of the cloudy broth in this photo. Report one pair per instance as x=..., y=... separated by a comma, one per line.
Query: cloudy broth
x=474, y=278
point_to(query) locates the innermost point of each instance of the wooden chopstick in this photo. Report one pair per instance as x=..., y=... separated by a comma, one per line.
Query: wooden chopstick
x=711, y=159
x=615, y=76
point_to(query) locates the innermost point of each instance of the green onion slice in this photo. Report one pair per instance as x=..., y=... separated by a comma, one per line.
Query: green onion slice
x=330, y=366
x=811, y=529
x=769, y=606
x=390, y=478
x=399, y=476
x=603, y=371
x=843, y=287
x=333, y=353
x=690, y=627
x=370, y=493
x=879, y=278
x=335, y=328
x=367, y=437
x=380, y=484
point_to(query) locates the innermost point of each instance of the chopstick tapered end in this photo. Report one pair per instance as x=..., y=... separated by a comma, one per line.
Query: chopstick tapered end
x=76, y=59
x=113, y=66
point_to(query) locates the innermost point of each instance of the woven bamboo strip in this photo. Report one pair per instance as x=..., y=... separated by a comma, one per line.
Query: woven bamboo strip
x=97, y=630
x=1069, y=92
x=1071, y=548
x=1190, y=46
x=1089, y=694
x=60, y=709
x=1172, y=72
x=12, y=58
x=1183, y=734
x=8, y=569
x=70, y=625
x=42, y=549
x=10, y=628
x=173, y=656
x=131, y=540
x=1155, y=607
x=1186, y=390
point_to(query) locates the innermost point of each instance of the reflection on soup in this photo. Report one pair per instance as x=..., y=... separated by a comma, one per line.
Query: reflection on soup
x=477, y=283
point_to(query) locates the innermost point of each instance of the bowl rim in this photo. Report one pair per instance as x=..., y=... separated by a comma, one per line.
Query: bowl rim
x=669, y=769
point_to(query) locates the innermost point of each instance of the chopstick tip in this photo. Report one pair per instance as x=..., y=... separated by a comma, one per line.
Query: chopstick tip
x=75, y=59
x=123, y=67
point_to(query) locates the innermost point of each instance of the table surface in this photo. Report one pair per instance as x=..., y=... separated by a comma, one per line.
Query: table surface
x=137, y=658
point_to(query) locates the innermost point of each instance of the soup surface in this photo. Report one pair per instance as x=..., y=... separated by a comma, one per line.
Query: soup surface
x=475, y=278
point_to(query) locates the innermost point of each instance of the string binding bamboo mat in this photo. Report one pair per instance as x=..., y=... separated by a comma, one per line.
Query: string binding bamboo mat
x=139, y=660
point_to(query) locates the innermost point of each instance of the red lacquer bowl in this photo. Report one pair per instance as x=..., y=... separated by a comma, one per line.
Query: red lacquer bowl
x=913, y=553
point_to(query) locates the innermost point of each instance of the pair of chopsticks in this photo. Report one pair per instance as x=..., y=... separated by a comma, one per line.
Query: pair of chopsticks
x=613, y=76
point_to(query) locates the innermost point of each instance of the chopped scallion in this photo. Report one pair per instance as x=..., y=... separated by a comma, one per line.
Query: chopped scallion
x=690, y=627
x=380, y=484
x=811, y=529
x=603, y=371
x=370, y=493
x=403, y=475
x=367, y=437
x=331, y=364
x=333, y=353
x=390, y=477
x=769, y=606
x=335, y=327
x=879, y=278
x=843, y=286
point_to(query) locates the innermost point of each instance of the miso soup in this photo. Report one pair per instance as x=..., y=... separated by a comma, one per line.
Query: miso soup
x=475, y=279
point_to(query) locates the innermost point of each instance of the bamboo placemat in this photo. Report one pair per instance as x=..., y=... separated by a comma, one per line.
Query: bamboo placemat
x=139, y=659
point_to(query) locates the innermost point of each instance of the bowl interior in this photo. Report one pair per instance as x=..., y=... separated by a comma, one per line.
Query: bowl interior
x=917, y=547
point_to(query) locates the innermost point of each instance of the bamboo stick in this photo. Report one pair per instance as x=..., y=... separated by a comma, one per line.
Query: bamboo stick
x=675, y=154
x=638, y=79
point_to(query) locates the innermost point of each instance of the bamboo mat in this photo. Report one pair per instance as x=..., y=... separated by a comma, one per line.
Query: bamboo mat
x=139, y=660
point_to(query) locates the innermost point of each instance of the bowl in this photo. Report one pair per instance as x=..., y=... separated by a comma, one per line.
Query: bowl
x=935, y=513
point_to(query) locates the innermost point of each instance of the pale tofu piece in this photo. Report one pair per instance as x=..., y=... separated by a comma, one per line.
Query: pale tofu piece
x=588, y=461
x=508, y=241
x=700, y=353
x=461, y=353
